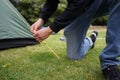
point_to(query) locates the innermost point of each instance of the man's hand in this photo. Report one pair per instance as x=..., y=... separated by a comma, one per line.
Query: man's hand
x=42, y=34
x=37, y=25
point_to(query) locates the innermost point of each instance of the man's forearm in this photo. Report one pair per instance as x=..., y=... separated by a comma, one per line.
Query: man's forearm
x=48, y=9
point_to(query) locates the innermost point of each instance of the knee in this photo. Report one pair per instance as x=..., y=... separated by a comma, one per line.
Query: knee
x=101, y=57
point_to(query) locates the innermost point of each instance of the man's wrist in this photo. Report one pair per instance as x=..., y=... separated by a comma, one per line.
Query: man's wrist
x=50, y=30
x=41, y=21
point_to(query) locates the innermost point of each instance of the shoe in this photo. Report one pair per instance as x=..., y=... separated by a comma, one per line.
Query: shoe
x=63, y=38
x=112, y=72
x=53, y=33
x=93, y=37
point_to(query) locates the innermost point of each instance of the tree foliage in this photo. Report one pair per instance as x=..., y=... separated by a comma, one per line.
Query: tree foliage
x=102, y=21
x=30, y=9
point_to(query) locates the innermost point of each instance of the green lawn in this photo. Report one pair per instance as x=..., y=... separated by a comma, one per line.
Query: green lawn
x=38, y=62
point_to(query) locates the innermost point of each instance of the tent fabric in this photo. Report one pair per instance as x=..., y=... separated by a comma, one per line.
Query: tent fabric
x=14, y=29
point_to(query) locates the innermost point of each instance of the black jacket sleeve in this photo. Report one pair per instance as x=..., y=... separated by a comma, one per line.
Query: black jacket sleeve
x=73, y=10
x=48, y=9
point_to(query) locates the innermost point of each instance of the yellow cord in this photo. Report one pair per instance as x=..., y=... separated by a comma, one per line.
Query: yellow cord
x=52, y=50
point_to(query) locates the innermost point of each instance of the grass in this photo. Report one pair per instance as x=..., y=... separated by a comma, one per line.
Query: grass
x=38, y=63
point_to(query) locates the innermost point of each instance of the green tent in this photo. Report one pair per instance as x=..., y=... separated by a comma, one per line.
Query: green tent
x=14, y=29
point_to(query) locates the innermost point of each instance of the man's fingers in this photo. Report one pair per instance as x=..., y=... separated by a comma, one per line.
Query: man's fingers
x=36, y=28
x=32, y=28
x=42, y=34
x=35, y=35
x=39, y=39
